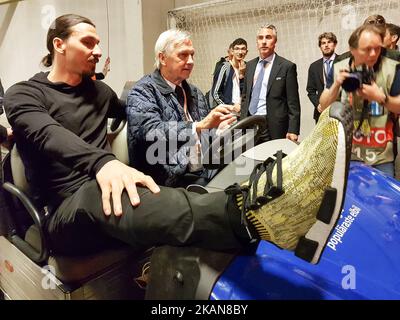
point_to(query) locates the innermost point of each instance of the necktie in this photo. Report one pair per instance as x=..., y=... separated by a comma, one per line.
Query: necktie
x=180, y=96
x=181, y=99
x=327, y=67
x=255, y=95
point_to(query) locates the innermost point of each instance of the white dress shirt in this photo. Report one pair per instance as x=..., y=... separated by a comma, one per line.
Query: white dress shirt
x=262, y=102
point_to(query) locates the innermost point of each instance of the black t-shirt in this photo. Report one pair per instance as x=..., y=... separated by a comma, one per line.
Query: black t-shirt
x=61, y=132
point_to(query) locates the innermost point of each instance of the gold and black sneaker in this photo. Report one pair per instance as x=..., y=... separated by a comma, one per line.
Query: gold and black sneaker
x=295, y=201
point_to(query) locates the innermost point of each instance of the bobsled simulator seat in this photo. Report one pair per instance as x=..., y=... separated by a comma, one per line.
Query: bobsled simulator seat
x=30, y=270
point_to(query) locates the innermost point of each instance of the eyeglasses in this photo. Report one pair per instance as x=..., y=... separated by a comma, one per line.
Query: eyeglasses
x=377, y=21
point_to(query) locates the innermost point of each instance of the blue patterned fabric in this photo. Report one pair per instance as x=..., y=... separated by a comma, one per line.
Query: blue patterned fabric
x=152, y=107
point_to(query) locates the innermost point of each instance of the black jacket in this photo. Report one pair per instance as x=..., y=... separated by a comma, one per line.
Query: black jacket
x=283, y=103
x=315, y=84
x=223, y=86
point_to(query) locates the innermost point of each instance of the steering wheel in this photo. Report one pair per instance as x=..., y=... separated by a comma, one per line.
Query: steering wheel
x=234, y=141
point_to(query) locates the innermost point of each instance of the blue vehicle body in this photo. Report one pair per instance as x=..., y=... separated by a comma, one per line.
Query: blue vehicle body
x=361, y=260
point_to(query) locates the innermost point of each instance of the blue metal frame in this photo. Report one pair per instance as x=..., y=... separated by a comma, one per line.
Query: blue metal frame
x=361, y=261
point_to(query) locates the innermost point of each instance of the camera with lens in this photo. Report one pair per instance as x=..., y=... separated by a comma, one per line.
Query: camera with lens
x=357, y=77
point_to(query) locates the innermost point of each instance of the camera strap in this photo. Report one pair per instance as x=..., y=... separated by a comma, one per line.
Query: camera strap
x=364, y=116
x=365, y=111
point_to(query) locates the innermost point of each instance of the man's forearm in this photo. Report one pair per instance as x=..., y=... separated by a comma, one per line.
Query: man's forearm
x=393, y=104
x=374, y=93
x=328, y=96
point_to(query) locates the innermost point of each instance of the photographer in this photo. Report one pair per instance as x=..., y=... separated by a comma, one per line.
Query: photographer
x=369, y=82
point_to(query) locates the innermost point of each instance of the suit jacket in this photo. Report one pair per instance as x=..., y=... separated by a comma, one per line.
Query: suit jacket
x=283, y=103
x=315, y=84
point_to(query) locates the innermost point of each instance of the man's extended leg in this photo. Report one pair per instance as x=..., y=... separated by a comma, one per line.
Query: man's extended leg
x=174, y=216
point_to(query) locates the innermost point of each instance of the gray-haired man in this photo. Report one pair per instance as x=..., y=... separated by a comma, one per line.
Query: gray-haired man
x=165, y=106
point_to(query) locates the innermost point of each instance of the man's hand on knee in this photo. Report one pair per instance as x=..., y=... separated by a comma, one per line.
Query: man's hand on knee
x=114, y=177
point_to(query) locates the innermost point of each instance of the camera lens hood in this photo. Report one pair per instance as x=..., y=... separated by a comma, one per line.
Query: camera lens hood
x=352, y=82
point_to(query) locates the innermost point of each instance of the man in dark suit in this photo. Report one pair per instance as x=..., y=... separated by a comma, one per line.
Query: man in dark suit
x=319, y=70
x=271, y=89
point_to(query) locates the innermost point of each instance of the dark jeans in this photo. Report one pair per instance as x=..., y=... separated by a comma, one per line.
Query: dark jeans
x=173, y=217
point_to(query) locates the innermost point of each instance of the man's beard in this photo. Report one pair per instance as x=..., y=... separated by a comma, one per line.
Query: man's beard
x=89, y=73
x=92, y=71
x=329, y=54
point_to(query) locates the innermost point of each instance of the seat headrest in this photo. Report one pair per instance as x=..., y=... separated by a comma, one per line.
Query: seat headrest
x=127, y=87
x=119, y=144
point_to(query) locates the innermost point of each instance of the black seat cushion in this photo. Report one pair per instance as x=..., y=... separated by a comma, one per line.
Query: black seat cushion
x=73, y=269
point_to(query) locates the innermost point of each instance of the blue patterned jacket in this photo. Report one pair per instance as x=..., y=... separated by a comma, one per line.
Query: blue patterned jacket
x=154, y=114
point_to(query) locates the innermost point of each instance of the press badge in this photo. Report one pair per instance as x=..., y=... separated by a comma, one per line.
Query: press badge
x=375, y=109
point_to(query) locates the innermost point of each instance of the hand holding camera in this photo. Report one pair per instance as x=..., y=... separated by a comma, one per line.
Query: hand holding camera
x=362, y=81
x=372, y=92
x=342, y=76
x=357, y=77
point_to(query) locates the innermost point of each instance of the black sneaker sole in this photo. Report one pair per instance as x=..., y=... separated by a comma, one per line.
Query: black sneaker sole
x=312, y=245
